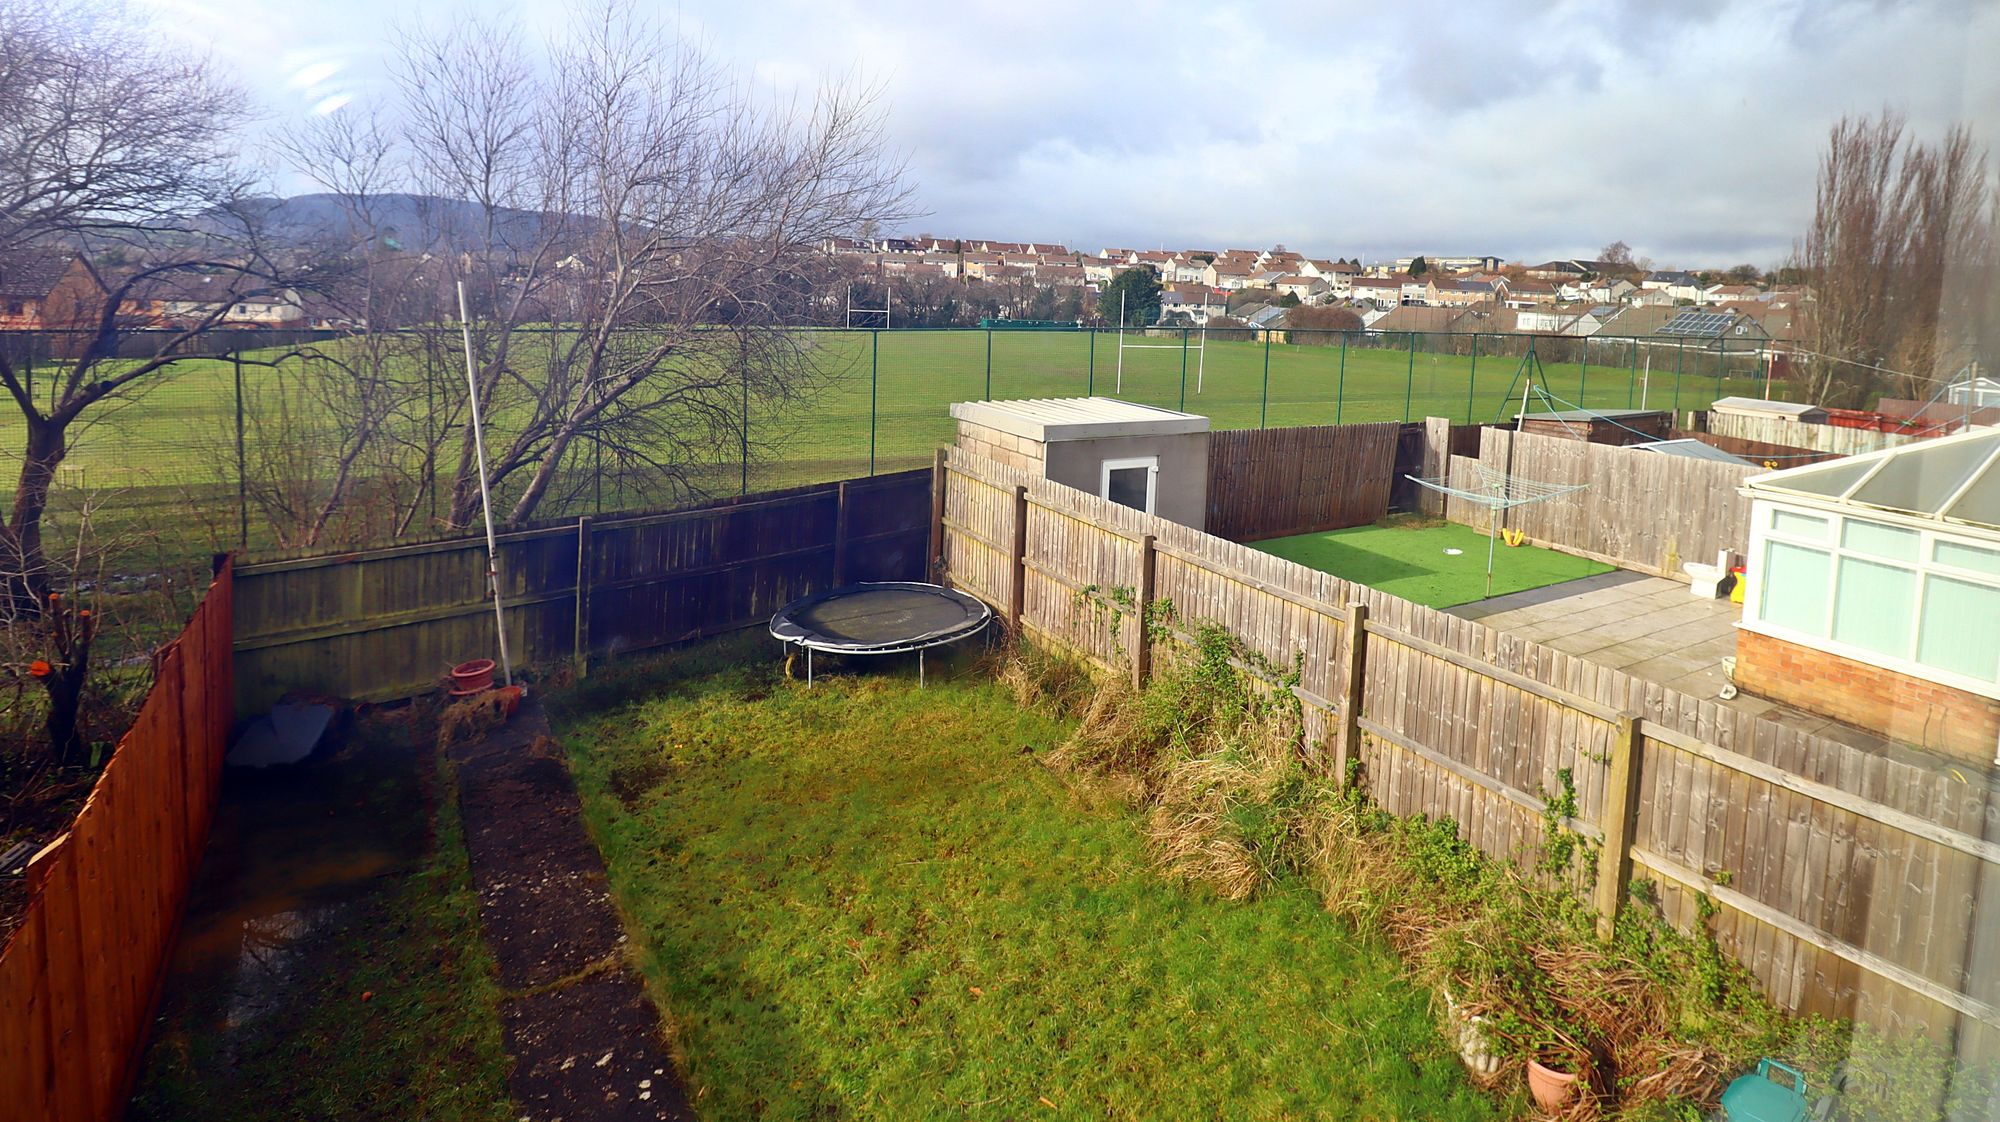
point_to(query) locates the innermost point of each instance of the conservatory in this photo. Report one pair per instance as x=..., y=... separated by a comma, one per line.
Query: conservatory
x=1874, y=591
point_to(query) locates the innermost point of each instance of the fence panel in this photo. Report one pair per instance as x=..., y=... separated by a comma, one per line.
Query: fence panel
x=391, y=622
x=1847, y=882
x=1270, y=483
x=80, y=976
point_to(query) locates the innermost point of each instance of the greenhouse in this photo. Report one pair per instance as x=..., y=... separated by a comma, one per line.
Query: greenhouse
x=1890, y=559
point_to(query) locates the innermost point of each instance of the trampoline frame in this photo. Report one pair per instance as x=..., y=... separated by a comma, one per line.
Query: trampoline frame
x=919, y=644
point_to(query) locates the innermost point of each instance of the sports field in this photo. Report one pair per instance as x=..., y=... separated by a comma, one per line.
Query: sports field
x=1435, y=564
x=884, y=402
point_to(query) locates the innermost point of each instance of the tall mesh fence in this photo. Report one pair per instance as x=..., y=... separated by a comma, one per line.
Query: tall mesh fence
x=266, y=440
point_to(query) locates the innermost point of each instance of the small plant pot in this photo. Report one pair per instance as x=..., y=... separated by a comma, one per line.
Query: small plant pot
x=468, y=678
x=1550, y=1088
x=508, y=699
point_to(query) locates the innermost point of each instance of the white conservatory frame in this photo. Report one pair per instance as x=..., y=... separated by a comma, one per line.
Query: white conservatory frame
x=1845, y=531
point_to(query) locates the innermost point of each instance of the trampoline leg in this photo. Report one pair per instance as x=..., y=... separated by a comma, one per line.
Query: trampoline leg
x=920, y=668
x=809, y=667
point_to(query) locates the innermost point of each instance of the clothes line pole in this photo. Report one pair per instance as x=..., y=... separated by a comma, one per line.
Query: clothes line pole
x=485, y=498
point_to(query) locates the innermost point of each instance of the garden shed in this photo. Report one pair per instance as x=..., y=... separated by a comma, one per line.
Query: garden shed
x=1142, y=456
x=1874, y=592
x=1600, y=426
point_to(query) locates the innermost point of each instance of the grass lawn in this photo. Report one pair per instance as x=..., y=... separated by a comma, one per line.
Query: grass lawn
x=870, y=901
x=1409, y=559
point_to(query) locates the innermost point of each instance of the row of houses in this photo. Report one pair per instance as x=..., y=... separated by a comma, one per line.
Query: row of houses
x=43, y=291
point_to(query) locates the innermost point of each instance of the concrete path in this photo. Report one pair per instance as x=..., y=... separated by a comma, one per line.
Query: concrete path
x=586, y=1042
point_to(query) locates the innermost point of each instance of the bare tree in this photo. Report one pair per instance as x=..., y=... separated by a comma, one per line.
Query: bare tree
x=648, y=226
x=1899, y=226
x=107, y=140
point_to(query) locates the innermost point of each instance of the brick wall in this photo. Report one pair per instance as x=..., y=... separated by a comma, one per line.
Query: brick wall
x=1898, y=706
x=1004, y=447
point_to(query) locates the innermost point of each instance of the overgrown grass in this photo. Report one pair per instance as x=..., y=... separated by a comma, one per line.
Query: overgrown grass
x=869, y=901
x=386, y=1009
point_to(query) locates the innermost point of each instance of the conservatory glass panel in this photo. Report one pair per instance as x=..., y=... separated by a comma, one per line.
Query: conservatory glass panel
x=1872, y=606
x=1799, y=525
x=1960, y=555
x=1832, y=480
x=1878, y=540
x=1922, y=479
x=1795, y=587
x=1950, y=638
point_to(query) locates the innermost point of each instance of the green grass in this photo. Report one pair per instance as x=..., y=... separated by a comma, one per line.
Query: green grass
x=386, y=1009
x=870, y=901
x=1409, y=560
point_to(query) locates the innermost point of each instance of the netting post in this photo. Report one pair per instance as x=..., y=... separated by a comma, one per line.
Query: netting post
x=989, y=364
x=1090, y=379
x=1264, y=407
x=1184, y=349
x=242, y=480
x=1410, y=380
x=1340, y=387
x=1632, y=374
x=1680, y=353
x=743, y=370
x=874, y=378
x=1721, y=364
x=1472, y=380
x=1583, y=377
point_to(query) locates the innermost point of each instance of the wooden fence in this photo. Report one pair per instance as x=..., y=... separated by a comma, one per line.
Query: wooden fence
x=1849, y=883
x=1641, y=510
x=80, y=977
x=390, y=623
x=1838, y=439
x=1271, y=483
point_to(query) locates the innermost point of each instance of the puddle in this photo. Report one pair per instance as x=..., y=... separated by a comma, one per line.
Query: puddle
x=293, y=850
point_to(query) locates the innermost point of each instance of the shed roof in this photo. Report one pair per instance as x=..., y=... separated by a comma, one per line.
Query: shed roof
x=1051, y=419
x=1952, y=478
x=1759, y=406
x=1692, y=449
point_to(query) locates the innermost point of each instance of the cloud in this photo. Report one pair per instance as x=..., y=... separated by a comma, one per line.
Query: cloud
x=1524, y=129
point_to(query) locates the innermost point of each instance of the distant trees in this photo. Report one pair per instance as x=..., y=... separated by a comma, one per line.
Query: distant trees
x=1137, y=291
x=1617, y=253
x=1897, y=254
x=1320, y=319
x=1419, y=266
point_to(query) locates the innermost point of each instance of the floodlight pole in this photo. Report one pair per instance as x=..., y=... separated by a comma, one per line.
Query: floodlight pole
x=485, y=497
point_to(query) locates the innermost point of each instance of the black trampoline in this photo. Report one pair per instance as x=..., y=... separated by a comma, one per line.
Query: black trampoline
x=889, y=617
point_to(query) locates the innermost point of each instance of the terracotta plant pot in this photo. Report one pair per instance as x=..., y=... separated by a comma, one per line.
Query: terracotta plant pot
x=508, y=698
x=1551, y=1088
x=468, y=678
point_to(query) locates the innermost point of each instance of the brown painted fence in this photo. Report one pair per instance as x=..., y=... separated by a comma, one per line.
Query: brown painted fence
x=390, y=623
x=1640, y=510
x=81, y=974
x=1849, y=883
x=1270, y=483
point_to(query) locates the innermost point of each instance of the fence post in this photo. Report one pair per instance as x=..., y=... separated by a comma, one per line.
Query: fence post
x=1437, y=461
x=1264, y=408
x=934, y=562
x=1619, y=819
x=840, y=535
x=1410, y=381
x=743, y=368
x=1142, y=647
x=875, y=376
x=1017, y=589
x=1090, y=379
x=1349, y=749
x=1184, y=349
x=242, y=483
x=1472, y=380
x=1340, y=387
x=580, y=656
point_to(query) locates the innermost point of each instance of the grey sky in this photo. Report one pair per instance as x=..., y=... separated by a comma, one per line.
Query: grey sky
x=1526, y=130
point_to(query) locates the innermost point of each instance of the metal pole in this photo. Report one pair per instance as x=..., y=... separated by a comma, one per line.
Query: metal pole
x=989, y=368
x=875, y=374
x=485, y=498
x=1340, y=387
x=1120, y=385
x=1680, y=352
x=1583, y=376
x=1721, y=363
x=1472, y=379
x=743, y=369
x=1090, y=381
x=1264, y=409
x=1632, y=375
x=1410, y=381
x=1184, y=349
x=242, y=483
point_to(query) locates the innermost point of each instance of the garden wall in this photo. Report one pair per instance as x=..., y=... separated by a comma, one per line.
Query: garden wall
x=389, y=623
x=81, y=975
x=1640, y=510
x=1848, y=883
x=1272, y=483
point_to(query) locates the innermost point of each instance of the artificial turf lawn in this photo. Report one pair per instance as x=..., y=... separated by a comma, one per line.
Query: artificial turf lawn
x=864, y=900
x=1410, y=561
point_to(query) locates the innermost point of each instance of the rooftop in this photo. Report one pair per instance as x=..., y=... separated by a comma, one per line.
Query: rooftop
x=1951, y=479
x=1050, y=419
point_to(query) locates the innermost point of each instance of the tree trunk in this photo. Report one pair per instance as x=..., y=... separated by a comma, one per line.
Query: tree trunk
x=27, y=574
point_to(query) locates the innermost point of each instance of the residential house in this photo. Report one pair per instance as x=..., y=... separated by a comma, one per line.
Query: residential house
x=1711, y=327
x=1385, y=291
x=1649, y=297
x=1098, y=270
x=1611, y=290
x=1530, y=294
x=980, y=266
x=1555, y=321
x=1453, y=293
x=1461, y=264
x=1680, y=286
x=1190, y=270
x=1307, y=289
x=1416, y=318
x=42, y=291
x=1229, y=275
x=1559, y=271
x=1159, y=261
x=1066, y=275
x=1193, y=303
x=1724, y=293
x=1412, y=290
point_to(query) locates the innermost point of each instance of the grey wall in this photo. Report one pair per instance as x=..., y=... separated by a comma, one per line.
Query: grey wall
x=1182, y=494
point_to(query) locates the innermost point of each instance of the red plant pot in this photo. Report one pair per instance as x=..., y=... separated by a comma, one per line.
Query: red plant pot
x=468, y=678
x=508, y=698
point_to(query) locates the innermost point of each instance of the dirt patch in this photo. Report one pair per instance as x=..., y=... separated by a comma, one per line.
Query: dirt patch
x=633, y=782
x=585, y=1040
x=583, y=1051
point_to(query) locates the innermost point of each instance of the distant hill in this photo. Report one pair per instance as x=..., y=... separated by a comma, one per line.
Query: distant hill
x=412, y=221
